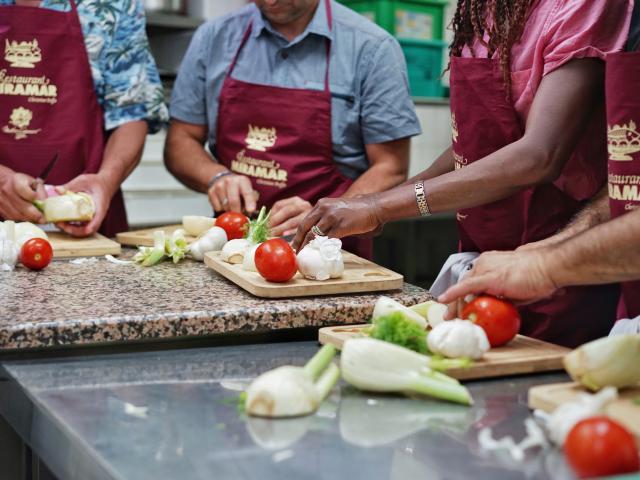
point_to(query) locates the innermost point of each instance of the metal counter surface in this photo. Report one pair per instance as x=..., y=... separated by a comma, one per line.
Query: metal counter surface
x=173, y=415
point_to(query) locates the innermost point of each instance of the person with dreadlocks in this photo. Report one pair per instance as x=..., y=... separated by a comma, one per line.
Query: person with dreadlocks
x=527, y=79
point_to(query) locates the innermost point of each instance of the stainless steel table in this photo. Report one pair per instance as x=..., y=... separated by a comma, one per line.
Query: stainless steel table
x=173, y=415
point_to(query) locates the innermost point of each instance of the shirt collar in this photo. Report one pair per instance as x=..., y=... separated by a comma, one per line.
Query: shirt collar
x=319, y=24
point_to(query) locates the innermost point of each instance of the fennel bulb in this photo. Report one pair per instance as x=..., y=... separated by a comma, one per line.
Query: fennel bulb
x=387, y=306
x=149, y=256
x=377, y=366
x=211, y=241
x=196, y=225
x=290, y=391
x=395, y=328
x=458, y=338
x=9, y=250
x=69, y=207
x=609, y=361
x=321, y=259
x=432, y=311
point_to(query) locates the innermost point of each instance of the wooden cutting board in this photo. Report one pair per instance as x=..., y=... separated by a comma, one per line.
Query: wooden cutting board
x=360, y=276
x=144, y=238
x=65, y=246
x=522, y=355
x=549, y=397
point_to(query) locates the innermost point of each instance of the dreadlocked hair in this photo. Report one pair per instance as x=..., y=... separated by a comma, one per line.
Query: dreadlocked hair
x=501, y=20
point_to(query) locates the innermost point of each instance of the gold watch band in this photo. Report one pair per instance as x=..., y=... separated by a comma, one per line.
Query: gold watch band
x=421, y=199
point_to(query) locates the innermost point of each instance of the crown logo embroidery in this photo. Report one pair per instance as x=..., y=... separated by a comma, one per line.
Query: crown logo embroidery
x=23, y=54
x=623, y=140
x=454, y=127
x=260, y=139
x=19, y=123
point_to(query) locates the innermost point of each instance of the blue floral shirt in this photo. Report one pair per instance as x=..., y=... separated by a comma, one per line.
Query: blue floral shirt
x=124, y=72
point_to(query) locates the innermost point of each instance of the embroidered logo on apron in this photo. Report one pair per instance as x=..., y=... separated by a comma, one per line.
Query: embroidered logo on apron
x=19, y=124
x=454, y=128
x=623, y=140
x=23, y=54
x=260, y=139
x=459, y=160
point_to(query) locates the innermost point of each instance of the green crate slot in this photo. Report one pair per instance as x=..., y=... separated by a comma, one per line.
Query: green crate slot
x=425, y=62
x=406, y=19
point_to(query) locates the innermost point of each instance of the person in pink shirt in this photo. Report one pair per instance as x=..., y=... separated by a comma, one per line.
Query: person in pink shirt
x=527, y=85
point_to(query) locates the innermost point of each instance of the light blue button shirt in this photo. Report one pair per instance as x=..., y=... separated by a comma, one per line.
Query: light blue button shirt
x=371, y=102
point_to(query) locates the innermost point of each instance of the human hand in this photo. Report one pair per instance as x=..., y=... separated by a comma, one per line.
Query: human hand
x=100, y=191
x=287, y=214
x=230, y=192
x=17, y=195
x=522, y=276
x=340, y=217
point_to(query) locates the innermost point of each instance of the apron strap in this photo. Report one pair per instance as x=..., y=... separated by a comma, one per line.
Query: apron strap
x=74, y=7
x=249, y=29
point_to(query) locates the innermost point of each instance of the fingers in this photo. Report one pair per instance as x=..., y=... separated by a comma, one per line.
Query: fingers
x=233, y=196
x=248, y=195
x=452, y=311
x=473, y=285
x=22, y=186
x=288, y=227
x=214, y=200
x=324, y=226
x=305, y=228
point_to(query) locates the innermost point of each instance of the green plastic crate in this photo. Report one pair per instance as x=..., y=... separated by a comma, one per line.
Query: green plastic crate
x=406, y=19
x=425, y=64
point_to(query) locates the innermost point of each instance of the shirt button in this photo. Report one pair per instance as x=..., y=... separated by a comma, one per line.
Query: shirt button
x=284, y=55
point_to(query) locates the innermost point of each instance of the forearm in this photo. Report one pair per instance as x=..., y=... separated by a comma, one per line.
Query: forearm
x=441, y=165
x=122, y=153
x=377, y=179
x=606, y=253
x=187, y=159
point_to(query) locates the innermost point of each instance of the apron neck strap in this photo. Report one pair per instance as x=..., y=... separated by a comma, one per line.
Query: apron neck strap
x=249, y=29
x=74, y=7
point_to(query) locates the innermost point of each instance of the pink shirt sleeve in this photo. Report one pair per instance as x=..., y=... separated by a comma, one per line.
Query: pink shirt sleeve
x=583, y=29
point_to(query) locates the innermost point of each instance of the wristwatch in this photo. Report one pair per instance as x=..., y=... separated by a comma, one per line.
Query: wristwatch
x=217, y=177
x=421, y=199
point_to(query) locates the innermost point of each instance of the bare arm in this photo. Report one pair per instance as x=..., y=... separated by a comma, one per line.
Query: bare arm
x=389, y=166
x=186, y=158
x=441, y=165
x=604, y=254
x=594, y=213
x=556, y=121
x=121, y=156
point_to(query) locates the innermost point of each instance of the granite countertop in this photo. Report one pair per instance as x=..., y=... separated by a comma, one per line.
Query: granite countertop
x=101, y=302
x=173, y=414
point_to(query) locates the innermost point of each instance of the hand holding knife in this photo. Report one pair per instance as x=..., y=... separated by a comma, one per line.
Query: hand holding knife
x=39, y=181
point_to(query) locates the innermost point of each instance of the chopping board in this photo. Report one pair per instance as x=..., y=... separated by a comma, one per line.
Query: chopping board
x=359, y=276
x=144, y=238
x=520, y=356
x=624, y=410
x=65, y=246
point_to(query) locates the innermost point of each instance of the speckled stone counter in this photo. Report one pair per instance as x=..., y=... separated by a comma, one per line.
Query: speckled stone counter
x=101, y=302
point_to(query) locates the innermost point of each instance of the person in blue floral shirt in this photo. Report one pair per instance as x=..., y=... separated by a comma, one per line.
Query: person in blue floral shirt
x=127, y=89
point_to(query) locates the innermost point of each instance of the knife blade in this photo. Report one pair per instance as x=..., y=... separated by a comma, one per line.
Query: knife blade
x=47, y=170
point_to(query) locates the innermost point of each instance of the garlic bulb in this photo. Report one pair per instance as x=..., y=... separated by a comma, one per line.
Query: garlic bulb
x=196, y=225
x=249, y=261
x=458, y=338
x=211, y=241
x=234, y=250
x=321, y=259
x=26, y=231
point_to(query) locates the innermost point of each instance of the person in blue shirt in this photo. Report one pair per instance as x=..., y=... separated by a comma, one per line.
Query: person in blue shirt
x=297, y=100
x=99, y=115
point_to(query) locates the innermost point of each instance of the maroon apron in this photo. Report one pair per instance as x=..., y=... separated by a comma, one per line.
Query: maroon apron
x=48, y=103
x=280, y=138
x=484, y=121
x=623, y=110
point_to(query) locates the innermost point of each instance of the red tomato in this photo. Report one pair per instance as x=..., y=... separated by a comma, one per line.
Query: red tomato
x=36, y=253
x=499, y=319
x=233, y=223
x=599, y=447
x=276, y=260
